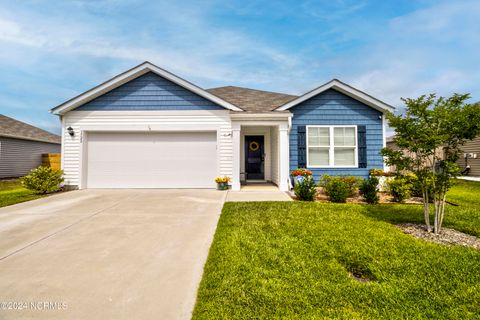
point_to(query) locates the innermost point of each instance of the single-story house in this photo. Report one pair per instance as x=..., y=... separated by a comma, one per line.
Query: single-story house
x=22, y=146
x=148, y=128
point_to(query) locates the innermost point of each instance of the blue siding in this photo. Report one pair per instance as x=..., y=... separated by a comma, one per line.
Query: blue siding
x=149, y=92
x=334, y=108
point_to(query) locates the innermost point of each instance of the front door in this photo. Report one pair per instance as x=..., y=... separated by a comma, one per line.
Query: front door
x=254, y=157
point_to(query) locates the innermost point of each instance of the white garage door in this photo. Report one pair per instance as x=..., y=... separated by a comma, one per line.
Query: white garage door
x=151, y=160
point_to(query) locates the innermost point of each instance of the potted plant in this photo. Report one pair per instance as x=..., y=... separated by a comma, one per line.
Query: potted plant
x=300, y=174
x=222, y=182
x=383, y=178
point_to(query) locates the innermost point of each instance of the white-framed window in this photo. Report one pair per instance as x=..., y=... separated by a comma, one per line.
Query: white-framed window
x=332, y=146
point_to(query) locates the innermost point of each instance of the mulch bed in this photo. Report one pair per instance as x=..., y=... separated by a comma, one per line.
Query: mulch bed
x=446, y=236
x=384, y=198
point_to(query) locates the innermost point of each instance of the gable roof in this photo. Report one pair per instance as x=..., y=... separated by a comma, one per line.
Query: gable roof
x=131, y=74
x=343, y=88
x=252, y=100
x=12, y=128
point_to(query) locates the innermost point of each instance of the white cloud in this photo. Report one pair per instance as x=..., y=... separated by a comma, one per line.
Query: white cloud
x=10, y=31
x=432, y=50
x=210, y=53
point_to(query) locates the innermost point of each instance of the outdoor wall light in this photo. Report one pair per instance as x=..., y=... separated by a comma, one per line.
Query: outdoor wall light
x=70, y=131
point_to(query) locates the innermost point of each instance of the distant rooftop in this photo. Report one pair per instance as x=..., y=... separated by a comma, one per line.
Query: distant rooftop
x=12, y=128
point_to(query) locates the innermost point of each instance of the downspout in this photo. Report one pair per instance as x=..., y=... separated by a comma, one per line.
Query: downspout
x=384, y=137
x=289, y=130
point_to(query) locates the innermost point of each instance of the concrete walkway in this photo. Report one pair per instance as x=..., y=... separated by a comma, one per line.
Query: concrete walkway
x=469, y=178
x=106, y=254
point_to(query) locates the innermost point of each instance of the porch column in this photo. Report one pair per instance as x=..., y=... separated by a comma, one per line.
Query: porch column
x=284, y=158
x=236, y=158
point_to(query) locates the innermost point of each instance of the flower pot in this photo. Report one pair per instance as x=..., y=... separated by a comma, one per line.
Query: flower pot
x=383, y=183
x=298, y=179
x=222, y=186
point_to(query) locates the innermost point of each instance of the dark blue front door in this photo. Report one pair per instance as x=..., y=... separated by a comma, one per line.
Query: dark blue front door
x=254, y=157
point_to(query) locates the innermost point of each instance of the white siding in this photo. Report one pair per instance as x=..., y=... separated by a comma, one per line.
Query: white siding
x=119, y=121
x=275, y=163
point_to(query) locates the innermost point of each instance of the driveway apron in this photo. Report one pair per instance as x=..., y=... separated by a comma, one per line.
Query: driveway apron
x=106, y=254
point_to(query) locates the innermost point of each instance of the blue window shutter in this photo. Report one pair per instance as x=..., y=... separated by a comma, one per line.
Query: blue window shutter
x=302, y=146
x=362, y=146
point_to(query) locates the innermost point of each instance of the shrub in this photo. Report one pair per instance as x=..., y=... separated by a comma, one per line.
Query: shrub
x=399, y=188
x=43, y=179
x=416, y=186
x=336, y=188
x=351, y=182
x=306, y=189
x=368, y=190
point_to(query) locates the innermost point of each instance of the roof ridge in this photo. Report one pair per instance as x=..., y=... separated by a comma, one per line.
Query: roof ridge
x=238, y=87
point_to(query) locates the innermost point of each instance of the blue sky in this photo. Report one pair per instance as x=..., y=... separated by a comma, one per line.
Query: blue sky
x=54, y=50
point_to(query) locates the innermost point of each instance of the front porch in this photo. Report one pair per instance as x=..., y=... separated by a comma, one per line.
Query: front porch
x=260, y=145
x=258, y=186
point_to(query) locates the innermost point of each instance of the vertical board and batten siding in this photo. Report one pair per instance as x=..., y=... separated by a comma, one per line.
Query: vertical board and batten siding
x=149, y=92
x=334, y=108
x=18, y=156
x=472, y=146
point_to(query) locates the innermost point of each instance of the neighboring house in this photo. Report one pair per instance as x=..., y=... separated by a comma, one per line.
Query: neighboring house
x=148, y=128
x=470, y=157
x=22, y=146
x=392, y=145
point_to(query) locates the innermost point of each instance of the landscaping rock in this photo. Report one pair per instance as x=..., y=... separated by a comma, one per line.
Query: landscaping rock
x=446, y=236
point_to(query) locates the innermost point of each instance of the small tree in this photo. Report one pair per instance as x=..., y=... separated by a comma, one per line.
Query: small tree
x=429, y=126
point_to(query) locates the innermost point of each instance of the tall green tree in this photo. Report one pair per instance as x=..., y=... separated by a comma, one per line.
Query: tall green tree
x=429, y=136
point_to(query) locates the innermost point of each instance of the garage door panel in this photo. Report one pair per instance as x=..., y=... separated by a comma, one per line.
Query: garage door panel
x=151, y=160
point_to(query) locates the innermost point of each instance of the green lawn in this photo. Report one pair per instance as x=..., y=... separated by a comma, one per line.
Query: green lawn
x=11, y=192
x=465, y=217
x=292, y=260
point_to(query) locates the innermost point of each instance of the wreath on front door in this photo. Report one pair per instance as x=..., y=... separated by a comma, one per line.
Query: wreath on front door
x=254, y=146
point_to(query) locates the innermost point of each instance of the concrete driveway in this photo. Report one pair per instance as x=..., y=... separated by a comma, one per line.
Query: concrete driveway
x=106, y=254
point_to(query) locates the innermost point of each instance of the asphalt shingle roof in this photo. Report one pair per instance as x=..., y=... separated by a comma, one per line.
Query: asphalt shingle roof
x=252, y=100
x=20, y=130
